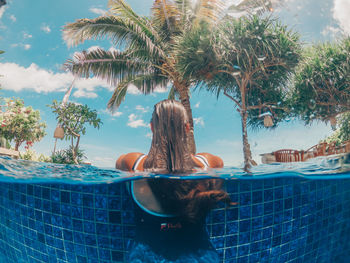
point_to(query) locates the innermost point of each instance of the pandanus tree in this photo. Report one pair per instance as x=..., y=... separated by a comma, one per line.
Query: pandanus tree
x=147, y=57
x=321, y=89
x=250, y=60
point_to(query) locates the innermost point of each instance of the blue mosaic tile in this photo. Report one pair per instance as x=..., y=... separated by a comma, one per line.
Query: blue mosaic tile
x=277, y=220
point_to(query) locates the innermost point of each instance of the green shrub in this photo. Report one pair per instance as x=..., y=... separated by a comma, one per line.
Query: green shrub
x=66, y=156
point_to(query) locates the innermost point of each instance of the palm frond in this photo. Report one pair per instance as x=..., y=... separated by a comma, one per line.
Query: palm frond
x=185, y=8
x=118, y=96
x=145, y=83
x=172, y=93
x=207, y=10
x=166, y=16
x=121, y=9
x=250, y=7
x=120, y=31
x=112, y=65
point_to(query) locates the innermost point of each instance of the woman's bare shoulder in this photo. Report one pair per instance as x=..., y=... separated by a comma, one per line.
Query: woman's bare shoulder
x=126, y=162
x=213, y=160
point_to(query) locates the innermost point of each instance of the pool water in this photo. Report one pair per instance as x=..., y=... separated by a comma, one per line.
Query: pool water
x=296, y=212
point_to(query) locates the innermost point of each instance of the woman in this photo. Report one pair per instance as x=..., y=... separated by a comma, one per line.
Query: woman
x=170, y=214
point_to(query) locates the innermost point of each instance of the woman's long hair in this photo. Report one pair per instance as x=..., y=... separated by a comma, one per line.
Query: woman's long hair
x=169, y=150
x=190, y=199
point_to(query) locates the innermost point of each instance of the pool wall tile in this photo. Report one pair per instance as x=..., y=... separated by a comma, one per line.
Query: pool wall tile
x=276, y=220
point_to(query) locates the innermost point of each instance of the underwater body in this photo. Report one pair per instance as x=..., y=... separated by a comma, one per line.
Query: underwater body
x=290, y=212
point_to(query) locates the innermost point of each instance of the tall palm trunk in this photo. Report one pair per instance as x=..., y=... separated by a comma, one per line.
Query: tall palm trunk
x=248, y=160
x=183, y=89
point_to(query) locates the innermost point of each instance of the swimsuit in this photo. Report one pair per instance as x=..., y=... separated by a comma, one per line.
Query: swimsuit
x=169, y=237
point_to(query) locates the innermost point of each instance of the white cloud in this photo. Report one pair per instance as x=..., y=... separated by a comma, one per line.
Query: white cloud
x=84, y=94
x=199, y=121
x=111, y=113
x=45, y=28
x=331, y=31
x=26, y=35
x=98, y=11
x=140, y=108
x=13, y=18
x=24, y=46
x=132, y=89
x=341, y=12
x=2, y=10
x=197, y=105
x=18, y=78
x=160, y=89
x=134, y=122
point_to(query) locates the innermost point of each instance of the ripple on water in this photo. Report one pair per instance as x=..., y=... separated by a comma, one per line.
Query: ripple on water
x=331, y=167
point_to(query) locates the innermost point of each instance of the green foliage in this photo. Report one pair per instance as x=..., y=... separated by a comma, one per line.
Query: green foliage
x=73, y=118
x=251, y=59
x=66, y=156
x=342, y=133
x=322, y=82
x=20, y=123
x=344, y=127
x=149, y=49
x=31, y=155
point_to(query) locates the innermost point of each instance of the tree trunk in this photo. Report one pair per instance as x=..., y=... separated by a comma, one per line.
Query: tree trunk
x=17, y=146
x=183, y=89
x=248, y=161
x=76, y=150
x=74, y=153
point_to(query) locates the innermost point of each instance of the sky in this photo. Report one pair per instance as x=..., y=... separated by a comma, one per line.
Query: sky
x=31, y=69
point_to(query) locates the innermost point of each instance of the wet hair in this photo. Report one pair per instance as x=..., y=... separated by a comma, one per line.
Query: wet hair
x=169, y=153
x=169, y=150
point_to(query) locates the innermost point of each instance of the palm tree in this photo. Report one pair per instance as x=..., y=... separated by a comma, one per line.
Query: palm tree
x=249, y=60
x=148, y=58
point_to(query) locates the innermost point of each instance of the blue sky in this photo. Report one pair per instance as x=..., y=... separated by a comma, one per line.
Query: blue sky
x=30, y=34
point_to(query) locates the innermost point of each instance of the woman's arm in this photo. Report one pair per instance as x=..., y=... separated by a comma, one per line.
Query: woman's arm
x=126, y=161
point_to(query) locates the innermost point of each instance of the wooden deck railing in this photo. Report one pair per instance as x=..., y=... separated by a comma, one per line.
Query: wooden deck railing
x=320, y=149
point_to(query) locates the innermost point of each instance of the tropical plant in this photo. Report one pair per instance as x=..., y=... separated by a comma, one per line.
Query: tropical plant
x=149, y=57
x=342, y=131
x=21, y=124
x=250, y=60
x=73, y=118
x=31, y=155
x=322, y=82
x=68, y=156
